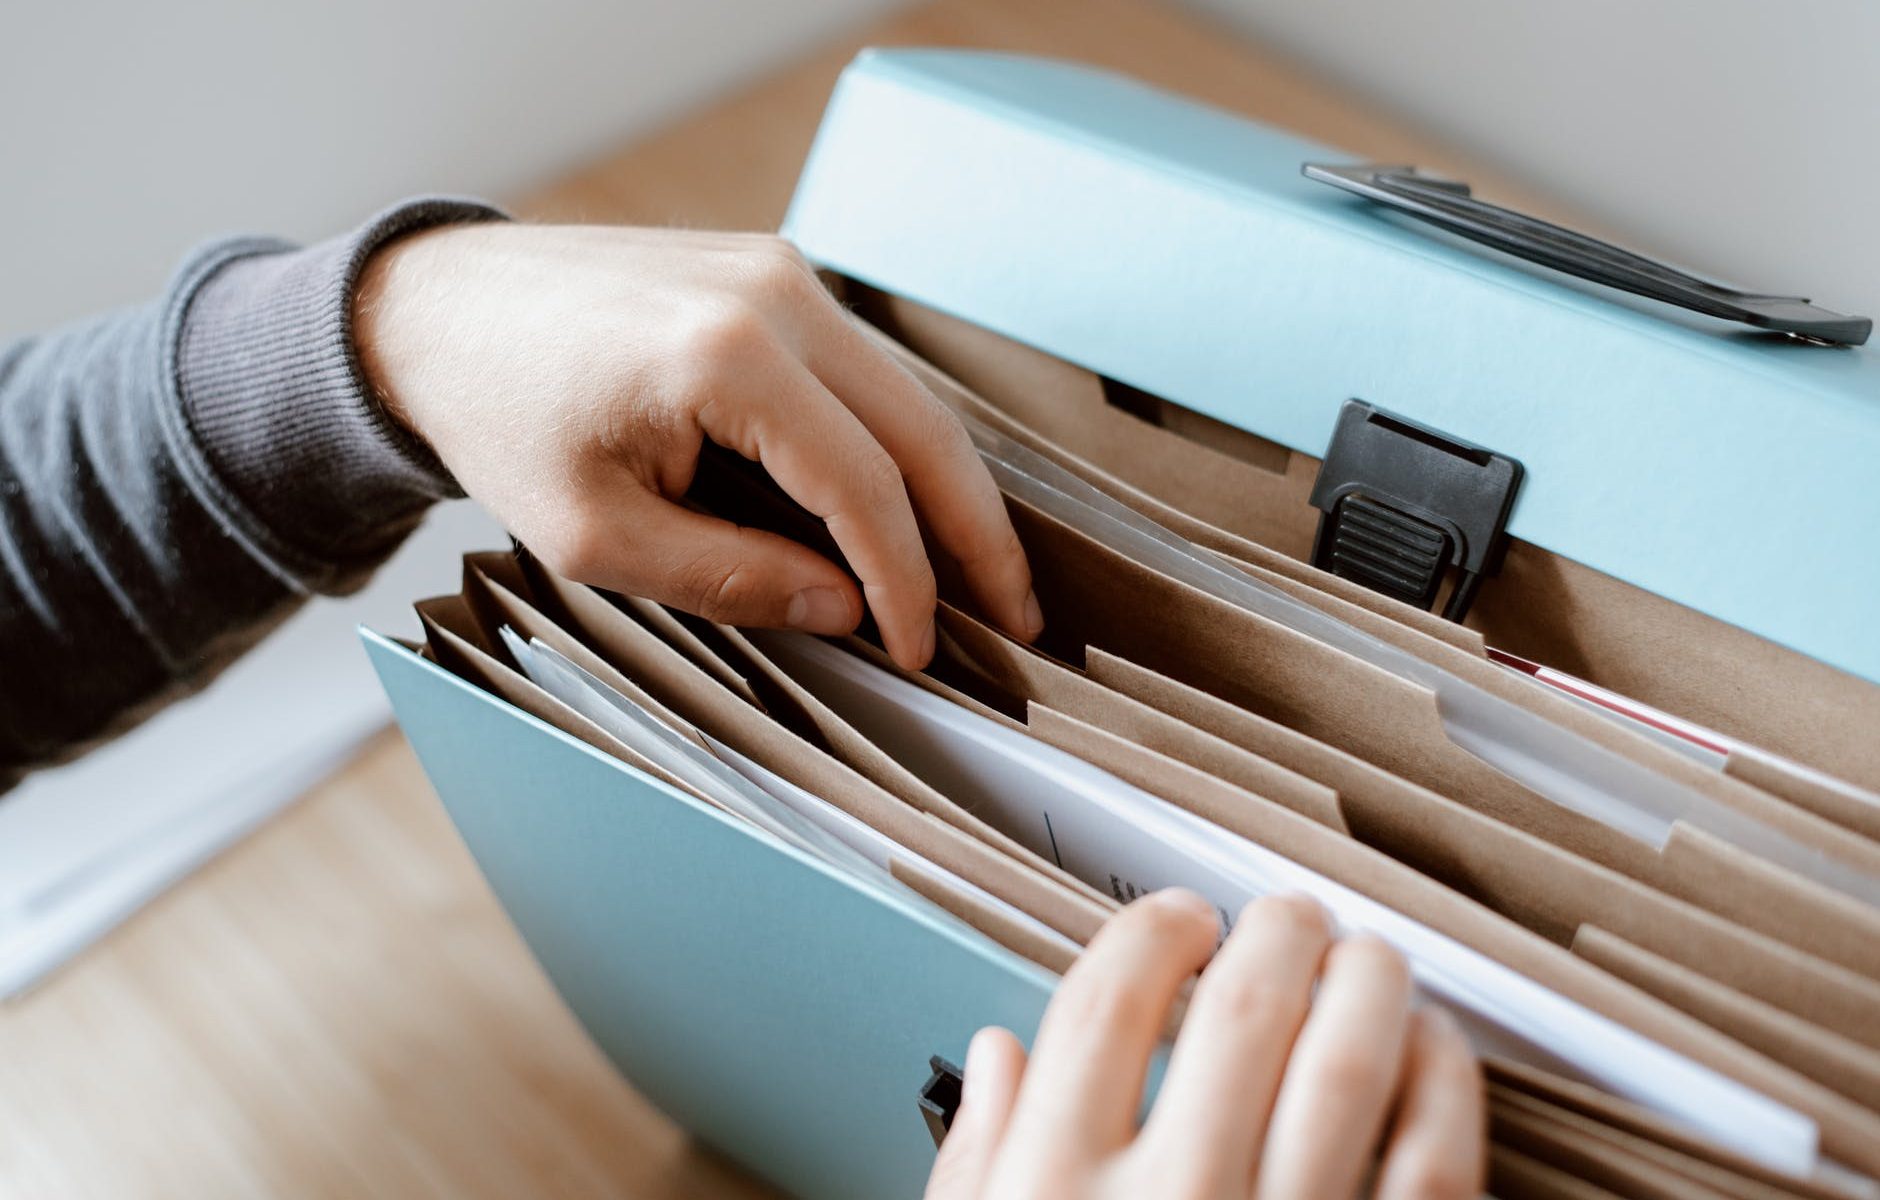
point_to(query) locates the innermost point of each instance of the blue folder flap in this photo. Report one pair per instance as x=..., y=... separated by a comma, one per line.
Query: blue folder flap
x=781, y=1012
x=1178, y=249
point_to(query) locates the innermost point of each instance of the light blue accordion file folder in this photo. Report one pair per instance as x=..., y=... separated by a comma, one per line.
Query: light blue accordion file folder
x=782, y=1013
x=786, y=1015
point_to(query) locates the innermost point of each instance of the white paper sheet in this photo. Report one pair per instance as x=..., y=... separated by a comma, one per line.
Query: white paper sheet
x=768, y=801
x=1118, y=837
x=875, y=845
x=671, y=750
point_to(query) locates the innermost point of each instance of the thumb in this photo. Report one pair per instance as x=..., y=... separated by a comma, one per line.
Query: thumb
x=995, y=1062
x=642, y=544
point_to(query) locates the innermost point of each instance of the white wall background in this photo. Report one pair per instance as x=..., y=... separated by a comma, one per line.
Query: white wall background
x=131, y=130
x=1735, y=135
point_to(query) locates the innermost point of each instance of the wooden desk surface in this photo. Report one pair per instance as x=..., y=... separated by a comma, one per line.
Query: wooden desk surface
x=338, y=1007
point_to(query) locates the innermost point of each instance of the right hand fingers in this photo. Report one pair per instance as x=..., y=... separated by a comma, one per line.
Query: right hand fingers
x=1211, y=1114
x=1091, y=1055
x=1341, y=1076
x=1437, y=1148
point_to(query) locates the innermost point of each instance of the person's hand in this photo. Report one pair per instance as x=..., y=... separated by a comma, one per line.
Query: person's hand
x=568, y=376
x=1270, y=1092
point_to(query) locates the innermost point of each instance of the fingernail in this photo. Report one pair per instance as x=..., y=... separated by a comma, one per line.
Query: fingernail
x=819, y=610
x=974, y=1077
x=1440, y=1022
x=1034, y=616
x=1185, y=900
x=926, y=644
x=1313, y=904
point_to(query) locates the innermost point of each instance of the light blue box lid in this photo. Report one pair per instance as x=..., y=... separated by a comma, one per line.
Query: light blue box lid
x=1177, y=248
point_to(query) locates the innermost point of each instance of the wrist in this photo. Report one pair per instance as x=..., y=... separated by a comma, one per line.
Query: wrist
x=387, y=307
x=273, y=396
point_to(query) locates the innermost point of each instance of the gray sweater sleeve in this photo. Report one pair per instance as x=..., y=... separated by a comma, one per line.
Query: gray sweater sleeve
x=176, y=479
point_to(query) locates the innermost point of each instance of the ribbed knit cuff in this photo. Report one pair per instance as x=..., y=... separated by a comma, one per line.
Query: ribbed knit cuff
x=270, y=391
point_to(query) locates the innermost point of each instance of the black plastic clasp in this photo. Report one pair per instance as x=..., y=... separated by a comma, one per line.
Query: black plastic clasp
x=940, y=1098
x=1403, y=503
x=1447, y=203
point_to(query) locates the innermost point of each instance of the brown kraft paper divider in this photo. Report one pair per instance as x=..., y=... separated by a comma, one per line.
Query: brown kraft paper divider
x=930, y=680
x=501, y=567
x=1701, y=1171
x=1819, y=793
x=738, y=654
x=1468, y=664
x=1552, y=610
x=551, y=594
x=454, y=615
x=1693, y=879
x=618, y=635
x=1795, y=822
x=505, y=608
x=674, y=633
x=1586, y=1157
x=1513, y=1175
x=1854, y=1131
x=1066, y=405
x=1622, y=1116
x=1524, y=877
x=1096, y=596
x=1740, y=887
x=1028, y=676
x=597, y=618
x=1842, y=1063
x=1521, y=876
x=975, y=912
x=1277, y=568
x=870, y=757
x=857, y=751
x=1542, y=606
x=958, y=841
x=445, y=616
x=712, y=637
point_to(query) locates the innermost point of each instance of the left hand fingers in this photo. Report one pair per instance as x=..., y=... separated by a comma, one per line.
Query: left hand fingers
x=995, y=1063
x=1438, y=1144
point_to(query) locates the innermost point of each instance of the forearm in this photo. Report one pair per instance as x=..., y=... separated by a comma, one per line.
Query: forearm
x=177, y=478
